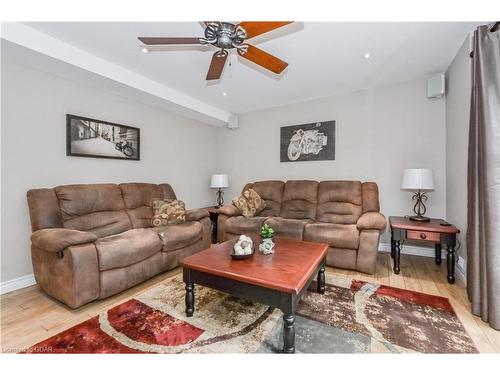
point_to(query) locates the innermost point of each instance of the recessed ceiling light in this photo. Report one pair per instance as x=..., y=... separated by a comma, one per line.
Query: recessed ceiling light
x=367, y=55
x=144, y=49
x=224, y=93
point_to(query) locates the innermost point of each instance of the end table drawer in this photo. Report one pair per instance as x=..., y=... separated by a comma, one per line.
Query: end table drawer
x=421, y=235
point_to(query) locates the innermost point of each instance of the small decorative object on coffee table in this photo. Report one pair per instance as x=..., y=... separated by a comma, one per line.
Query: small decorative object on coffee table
x=267, y=244
x=435, y=230
x=420, y=181
x=243, y=248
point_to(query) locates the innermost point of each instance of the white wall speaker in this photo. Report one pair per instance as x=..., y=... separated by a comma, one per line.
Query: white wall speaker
x=435, y=86
x=233, y=122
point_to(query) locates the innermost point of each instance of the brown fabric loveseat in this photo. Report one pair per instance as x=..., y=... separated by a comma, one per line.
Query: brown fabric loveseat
x=344, y=214
x=92, y=241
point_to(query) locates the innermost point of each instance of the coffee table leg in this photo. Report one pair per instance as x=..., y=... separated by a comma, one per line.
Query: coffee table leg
x=189, y=299
x=288, y=334
x=321, y=280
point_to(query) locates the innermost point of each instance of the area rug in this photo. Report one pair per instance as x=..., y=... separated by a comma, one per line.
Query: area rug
x=351, y=317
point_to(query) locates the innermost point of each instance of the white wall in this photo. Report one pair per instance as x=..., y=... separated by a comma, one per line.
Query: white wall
x=34, y=105
x=458, y=91
x=379, y=132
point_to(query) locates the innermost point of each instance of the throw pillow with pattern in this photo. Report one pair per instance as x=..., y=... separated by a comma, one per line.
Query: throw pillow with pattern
x=249, y=203
x=168, y=212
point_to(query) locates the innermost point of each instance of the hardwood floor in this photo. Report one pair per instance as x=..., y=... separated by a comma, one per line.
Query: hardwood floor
x=29, y=316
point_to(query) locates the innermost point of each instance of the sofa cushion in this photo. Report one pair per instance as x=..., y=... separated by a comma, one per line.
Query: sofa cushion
x=272, y=193
x=289, y=228
x=249, y=203
x=370, y=197
x=124, y=249
x=336, y=235
x=339, y=202
x=138, y=198
x=168, y=212
x=96, y=208
x=178, y=236
x=299, y=200
x=242, y=225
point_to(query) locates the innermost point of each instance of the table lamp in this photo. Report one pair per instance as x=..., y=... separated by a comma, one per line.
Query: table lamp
x=419, y=180
x=219, y=182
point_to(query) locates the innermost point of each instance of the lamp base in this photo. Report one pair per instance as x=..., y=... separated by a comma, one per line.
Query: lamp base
x=419, y=218
x=220, y=198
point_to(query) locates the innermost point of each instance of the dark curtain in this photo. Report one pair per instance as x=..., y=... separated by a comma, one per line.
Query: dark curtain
x=483, y=177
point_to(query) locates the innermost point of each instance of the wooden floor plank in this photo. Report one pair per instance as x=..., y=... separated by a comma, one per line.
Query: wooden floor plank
x=29, y=316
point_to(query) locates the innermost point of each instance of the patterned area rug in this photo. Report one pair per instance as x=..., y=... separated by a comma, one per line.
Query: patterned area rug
x=358, y=317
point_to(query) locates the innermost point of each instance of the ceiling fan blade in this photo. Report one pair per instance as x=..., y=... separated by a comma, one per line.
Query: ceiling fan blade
x=216, y=65
x=256, y=28
x=263, y=59
x=150, y=41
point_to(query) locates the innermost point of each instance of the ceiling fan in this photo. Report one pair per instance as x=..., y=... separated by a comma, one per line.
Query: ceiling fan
x=226, y=36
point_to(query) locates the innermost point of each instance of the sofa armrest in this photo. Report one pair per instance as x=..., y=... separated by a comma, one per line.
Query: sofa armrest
x=196, y=214
x=54, y=240
x=371, y=220
x=229, y=210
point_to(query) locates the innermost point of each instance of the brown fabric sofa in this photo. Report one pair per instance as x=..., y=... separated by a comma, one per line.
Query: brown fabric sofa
x=344, y=214
x=92, y=241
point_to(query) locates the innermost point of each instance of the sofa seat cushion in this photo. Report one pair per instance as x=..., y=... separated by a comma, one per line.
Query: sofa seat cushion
x=175, y=237
x=342, y=236
x=289, y=228
x=243, y=225
x=124, y=249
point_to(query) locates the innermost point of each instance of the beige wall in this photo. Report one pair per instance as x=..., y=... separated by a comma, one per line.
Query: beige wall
x=458, y=81
x=34, y=105
x=379, y=132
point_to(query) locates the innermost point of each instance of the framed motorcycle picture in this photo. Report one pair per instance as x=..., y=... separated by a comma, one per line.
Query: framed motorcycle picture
x=93, y=138
x=308, y=142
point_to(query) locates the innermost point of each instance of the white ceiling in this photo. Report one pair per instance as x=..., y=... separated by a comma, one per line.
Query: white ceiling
x=324, y=58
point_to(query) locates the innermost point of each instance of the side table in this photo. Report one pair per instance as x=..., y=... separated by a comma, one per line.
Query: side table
x=437, y=231
x=213, y=218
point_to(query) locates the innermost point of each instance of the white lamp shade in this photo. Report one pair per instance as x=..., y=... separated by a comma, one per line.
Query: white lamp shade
x=219, y=181
x=418, y=179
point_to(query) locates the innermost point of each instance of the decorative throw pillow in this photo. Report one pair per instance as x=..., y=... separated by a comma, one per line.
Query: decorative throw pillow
x=249, y=203
x=168, y=212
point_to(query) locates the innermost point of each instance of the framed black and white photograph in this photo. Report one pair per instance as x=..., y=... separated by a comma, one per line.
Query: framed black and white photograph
x=308, y=142
x=93, y=138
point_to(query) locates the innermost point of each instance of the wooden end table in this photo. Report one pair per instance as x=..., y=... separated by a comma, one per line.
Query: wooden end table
x=278, y=280
x=402, y=228
x=214, y=216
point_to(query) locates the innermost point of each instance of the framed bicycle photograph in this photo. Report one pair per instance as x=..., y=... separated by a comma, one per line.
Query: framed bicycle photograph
x=93, y=138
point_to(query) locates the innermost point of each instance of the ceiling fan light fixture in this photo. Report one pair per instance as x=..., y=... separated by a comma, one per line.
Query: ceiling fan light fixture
x=224, y=93
x=367, y=55
x=226, y=36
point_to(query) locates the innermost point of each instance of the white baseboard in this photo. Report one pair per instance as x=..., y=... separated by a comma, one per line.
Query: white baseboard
x=18, y=283
x=412, y=250
x=461, y=273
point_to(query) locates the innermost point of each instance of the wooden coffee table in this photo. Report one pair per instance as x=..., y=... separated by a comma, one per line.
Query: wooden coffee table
x=278, y=280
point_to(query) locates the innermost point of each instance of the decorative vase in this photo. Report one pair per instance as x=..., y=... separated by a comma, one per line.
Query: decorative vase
x=266, y=246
